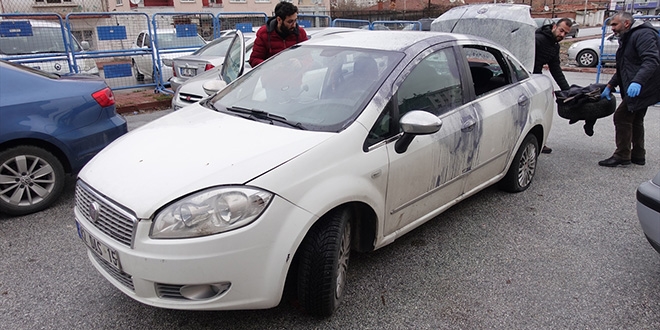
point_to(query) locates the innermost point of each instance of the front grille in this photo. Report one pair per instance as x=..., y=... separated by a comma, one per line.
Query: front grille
x=123, y=278
x=190, y=98
x=112, y=220
x=169, y=291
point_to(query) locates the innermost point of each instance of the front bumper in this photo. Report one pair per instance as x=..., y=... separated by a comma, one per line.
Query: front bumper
x=252, y=260
x=648, y=212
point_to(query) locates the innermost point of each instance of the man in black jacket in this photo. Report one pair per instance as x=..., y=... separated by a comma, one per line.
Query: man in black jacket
x=638, y=76
x=547, y=52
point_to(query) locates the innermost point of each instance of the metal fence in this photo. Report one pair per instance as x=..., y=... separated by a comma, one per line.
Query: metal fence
x=132, y=49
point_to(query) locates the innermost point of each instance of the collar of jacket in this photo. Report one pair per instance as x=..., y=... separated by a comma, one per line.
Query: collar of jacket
x=546, y=30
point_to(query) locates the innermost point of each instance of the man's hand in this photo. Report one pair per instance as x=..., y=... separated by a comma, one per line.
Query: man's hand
x=606, y=93
x=633, y=89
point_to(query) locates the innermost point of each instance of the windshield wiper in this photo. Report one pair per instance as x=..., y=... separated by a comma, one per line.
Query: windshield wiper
x=263, y=115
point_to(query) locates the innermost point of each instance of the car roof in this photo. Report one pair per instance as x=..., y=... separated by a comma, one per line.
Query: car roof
x=387, y=40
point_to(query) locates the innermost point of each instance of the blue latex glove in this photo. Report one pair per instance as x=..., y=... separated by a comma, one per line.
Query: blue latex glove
x=633, y=89
x=606, y=94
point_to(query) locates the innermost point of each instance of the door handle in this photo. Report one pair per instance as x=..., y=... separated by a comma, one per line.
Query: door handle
x=523, y=101
x=468, y=125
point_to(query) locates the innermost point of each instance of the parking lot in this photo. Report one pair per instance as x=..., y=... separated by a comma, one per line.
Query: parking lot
x=568, y=253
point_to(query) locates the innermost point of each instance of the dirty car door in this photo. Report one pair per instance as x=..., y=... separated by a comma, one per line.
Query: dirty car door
x=430, y=174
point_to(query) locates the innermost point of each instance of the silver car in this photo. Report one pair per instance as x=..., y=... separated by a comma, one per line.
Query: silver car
x=205, y=58
x=648, y=210
x=170, y=45
x=587, y=52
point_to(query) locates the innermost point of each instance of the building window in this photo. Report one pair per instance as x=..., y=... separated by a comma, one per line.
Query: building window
x=187, y=0
x=237, y=1
x=261, y=1
x=119, y=2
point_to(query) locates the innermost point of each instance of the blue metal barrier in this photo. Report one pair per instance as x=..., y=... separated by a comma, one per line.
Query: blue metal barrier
x=116, y=33
x=352, y=23
x=234, y=20
x=308, y=20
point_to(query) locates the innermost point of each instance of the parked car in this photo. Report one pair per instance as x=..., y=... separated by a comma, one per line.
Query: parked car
x=575, y=27
x=587, y=52
x=540, y=21
x=648, y=210
x=281, y=174
x=205, y=58
x=170, y=45
x=40, y=45
x=192, y=90
x=48, y=133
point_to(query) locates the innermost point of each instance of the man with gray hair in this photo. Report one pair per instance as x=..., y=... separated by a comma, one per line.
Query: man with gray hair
x=638, y=76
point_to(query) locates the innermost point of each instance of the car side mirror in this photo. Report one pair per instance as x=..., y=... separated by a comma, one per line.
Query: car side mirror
x=84, y=45
x=413, y=123
x=213, y=86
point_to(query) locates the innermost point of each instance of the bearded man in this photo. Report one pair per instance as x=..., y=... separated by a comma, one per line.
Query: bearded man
x=280, y=32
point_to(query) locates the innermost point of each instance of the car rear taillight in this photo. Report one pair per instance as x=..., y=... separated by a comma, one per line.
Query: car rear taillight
x=174, y=71
x=104, y=97
x=209, y=67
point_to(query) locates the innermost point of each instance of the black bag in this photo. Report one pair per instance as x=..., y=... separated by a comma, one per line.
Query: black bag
x=584, y=103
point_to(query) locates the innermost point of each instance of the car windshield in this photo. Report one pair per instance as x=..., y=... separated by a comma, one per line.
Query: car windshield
x=39, y=40
x=321, y=88
x=170, y=40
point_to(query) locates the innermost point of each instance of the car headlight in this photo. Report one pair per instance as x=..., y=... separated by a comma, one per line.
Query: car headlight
x=210, y=211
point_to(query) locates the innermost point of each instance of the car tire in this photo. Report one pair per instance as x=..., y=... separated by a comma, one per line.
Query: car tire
x=32, y=179
x=523, y=167
x=136, y=73
x=587, y=58
x=323, y=262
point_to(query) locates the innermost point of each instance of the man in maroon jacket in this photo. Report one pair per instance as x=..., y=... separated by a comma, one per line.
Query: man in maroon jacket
x=279, y=33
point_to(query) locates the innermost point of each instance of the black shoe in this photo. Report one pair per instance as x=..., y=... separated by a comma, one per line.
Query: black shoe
x=613, y=162
x=638, y=161
x=546, y=150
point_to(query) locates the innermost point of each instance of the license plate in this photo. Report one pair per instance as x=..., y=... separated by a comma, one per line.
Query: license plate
x=102, y=250
x=188, y=72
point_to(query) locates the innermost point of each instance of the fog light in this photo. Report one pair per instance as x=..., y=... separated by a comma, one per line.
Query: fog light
x=204, y=291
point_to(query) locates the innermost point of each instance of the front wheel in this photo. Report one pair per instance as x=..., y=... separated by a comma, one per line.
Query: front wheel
x=31, y=179
x=324, y=255
x=522, y=169
x=136, y=73
x=587, y=58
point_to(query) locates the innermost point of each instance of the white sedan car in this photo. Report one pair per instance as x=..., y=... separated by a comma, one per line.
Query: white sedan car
x=170, y=44
x=284, y=172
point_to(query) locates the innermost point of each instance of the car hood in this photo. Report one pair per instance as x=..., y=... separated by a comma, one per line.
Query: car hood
x=189, y=150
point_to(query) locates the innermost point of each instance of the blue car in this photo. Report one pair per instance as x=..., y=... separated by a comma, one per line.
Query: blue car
x=50, y=125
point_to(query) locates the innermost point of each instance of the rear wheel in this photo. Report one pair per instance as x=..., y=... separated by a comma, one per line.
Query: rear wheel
x=324, y=256
x=587, y=58
x=31, y=179
x=522, y=169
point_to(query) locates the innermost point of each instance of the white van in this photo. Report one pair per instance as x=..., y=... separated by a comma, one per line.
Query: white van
x=20, y=39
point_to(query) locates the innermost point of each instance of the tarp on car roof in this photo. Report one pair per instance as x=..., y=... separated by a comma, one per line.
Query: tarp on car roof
x=509, y=25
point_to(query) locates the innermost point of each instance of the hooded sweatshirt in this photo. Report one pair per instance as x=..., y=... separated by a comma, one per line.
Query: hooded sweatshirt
x=638, y=60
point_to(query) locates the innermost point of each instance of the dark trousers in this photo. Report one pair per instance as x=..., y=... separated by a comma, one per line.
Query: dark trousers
x=629, y=129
